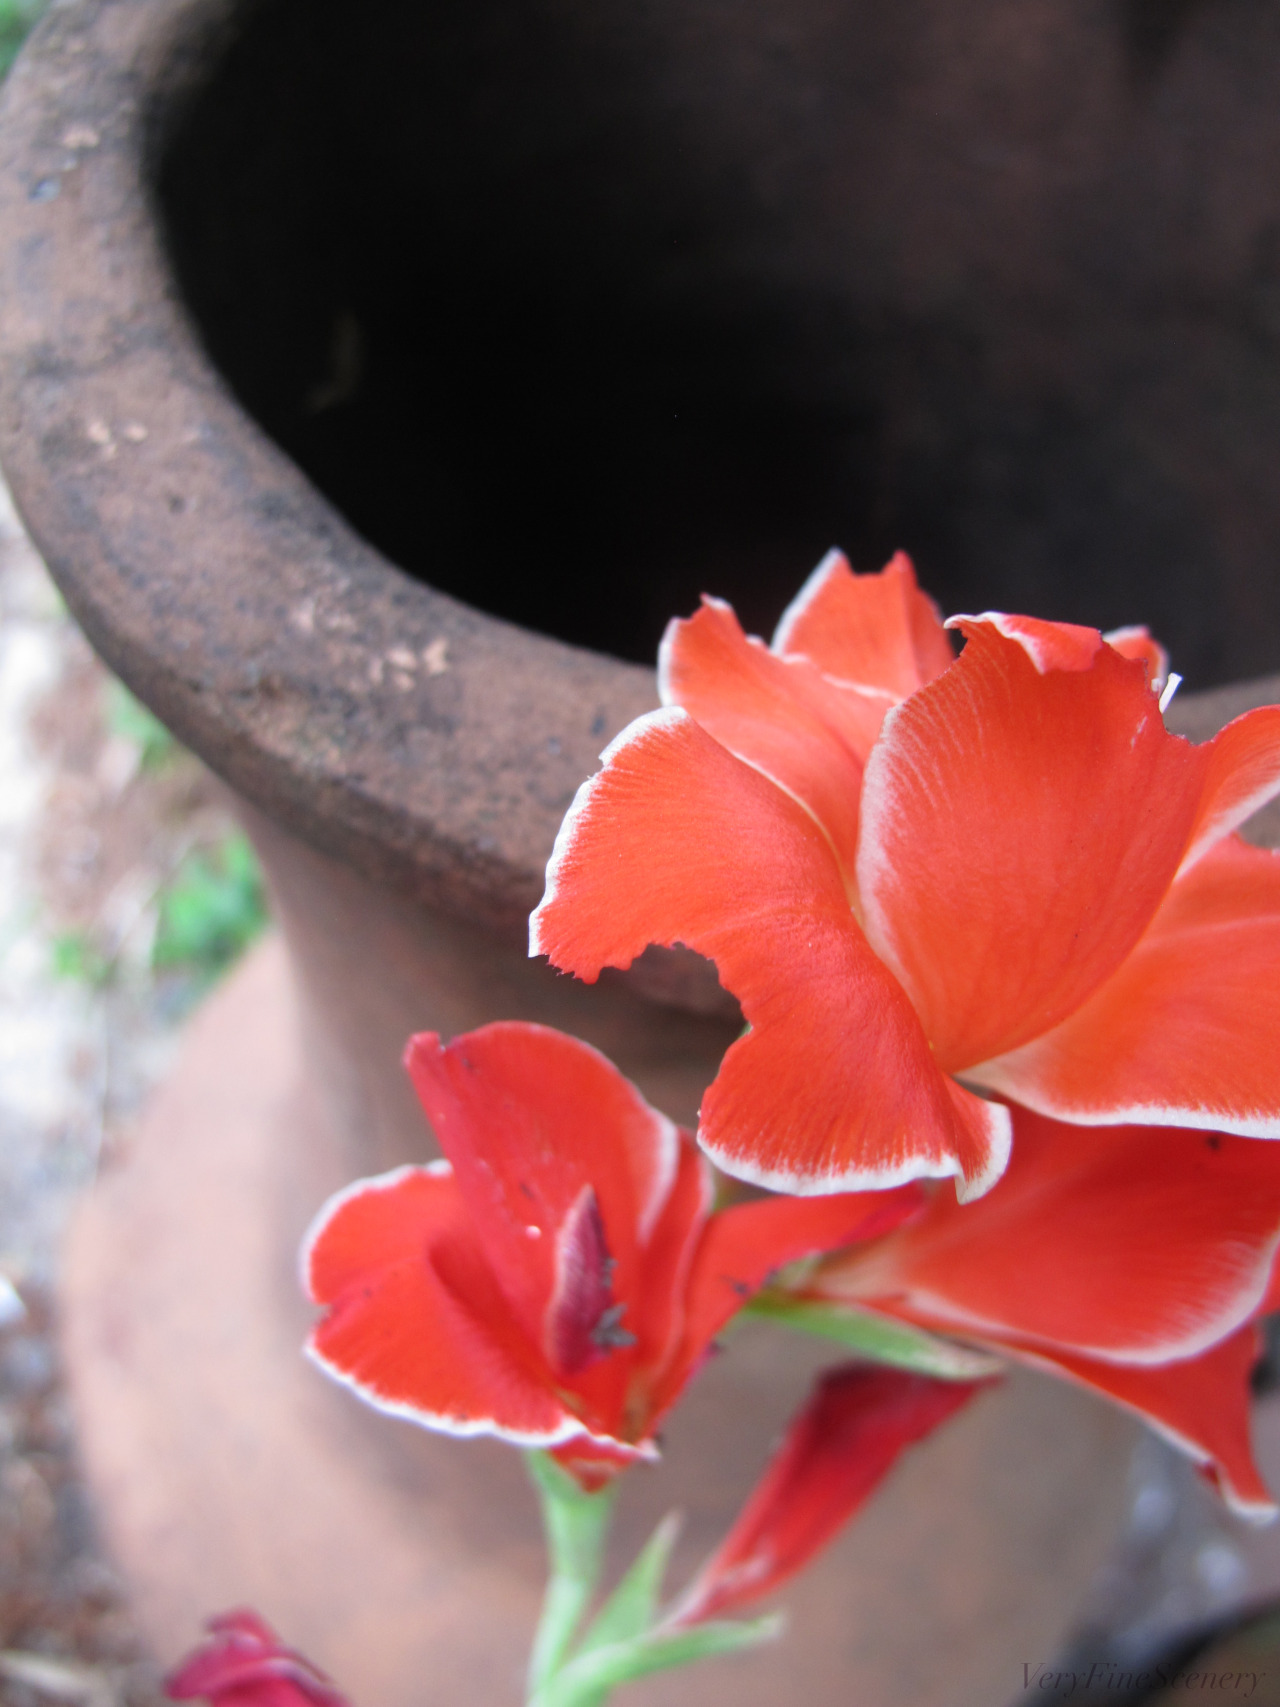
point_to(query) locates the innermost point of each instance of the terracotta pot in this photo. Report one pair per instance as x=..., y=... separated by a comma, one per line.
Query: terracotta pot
x=574, y=312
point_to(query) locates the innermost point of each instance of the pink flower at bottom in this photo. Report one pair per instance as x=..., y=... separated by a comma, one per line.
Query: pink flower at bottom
x=243, y=1663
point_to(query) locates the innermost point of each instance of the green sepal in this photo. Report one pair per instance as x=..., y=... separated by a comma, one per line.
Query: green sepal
x=630, y=1609
x=877, y=1338
x=588, y=1678
x=577, y=1527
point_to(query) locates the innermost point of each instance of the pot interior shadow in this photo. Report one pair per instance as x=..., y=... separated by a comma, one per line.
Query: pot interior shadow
x=577, y=313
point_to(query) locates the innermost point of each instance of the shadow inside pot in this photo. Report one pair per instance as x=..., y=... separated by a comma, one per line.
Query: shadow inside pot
x=576, y=314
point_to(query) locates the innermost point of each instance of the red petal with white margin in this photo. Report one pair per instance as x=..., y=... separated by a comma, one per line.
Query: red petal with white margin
x=530, y=1117
x=747, y=1243
x=1131, y=1244
x=879, y=630
x=1137, y=642
x=1201, y=1406
x=615, y=1395
x=437, y=1348
x=781, y=716
x=658, y=1314
x=593, y=1463
x=1185, y=1033
x=1049, y=645
x=1022, y=819
x=834, y=1087
x=1244, y=773
x=837, y=1449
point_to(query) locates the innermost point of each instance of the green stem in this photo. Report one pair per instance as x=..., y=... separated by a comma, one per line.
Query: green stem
x=577, y=1526
x=589, y=1678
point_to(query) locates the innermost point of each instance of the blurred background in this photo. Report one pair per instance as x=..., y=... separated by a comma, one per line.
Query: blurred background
x=125, y=889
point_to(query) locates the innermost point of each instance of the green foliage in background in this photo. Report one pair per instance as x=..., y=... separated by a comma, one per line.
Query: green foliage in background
x=207, y=910
x=206, y=916
x=212, y=910
x=16, y=18
x=128, y=717
x=76, y=956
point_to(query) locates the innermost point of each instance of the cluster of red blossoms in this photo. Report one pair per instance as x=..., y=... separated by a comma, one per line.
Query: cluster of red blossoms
x=987, y=918
x=1010, y=1067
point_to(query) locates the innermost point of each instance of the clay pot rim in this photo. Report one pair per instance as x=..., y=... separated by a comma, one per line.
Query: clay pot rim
x=426, y=744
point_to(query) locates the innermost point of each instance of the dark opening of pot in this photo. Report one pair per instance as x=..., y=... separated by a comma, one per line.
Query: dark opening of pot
x=576, y=311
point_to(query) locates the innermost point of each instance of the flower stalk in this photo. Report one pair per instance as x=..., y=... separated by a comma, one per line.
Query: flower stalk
x=577, y=1528
x=628, y=1638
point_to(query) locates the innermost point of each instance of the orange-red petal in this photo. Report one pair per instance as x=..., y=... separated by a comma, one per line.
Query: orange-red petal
x=1243, y=774
x=1022, y=819
x=745, y=1244
x=1050, y=646
x=530, y=1118
x=593, y=1462
x=616, y=1394
x=834, y=1086
x=1138, y=642
x=434, y=1347
x=1185, y=1033
x=838, y=1448
x=660, y=1311
x=877, y=630
x=1132, y=1244
x=1201, y=1406
x=809, y=734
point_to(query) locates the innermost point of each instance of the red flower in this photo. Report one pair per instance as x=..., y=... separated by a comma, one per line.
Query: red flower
x=1132, y=1260
x=920, y=875
x=244, y=1664
x=836, y=1451
x=559, y=1278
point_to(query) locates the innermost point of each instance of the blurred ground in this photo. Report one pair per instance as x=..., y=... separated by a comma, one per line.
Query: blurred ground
x=105, y=831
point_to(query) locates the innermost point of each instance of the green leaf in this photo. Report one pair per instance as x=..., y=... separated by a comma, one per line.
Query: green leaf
x=212, y=910
x=577, y=1527
x=16, y=18
x=78, y=958
x=629, y=1610
x=875, y=1337
x=589, y=1677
